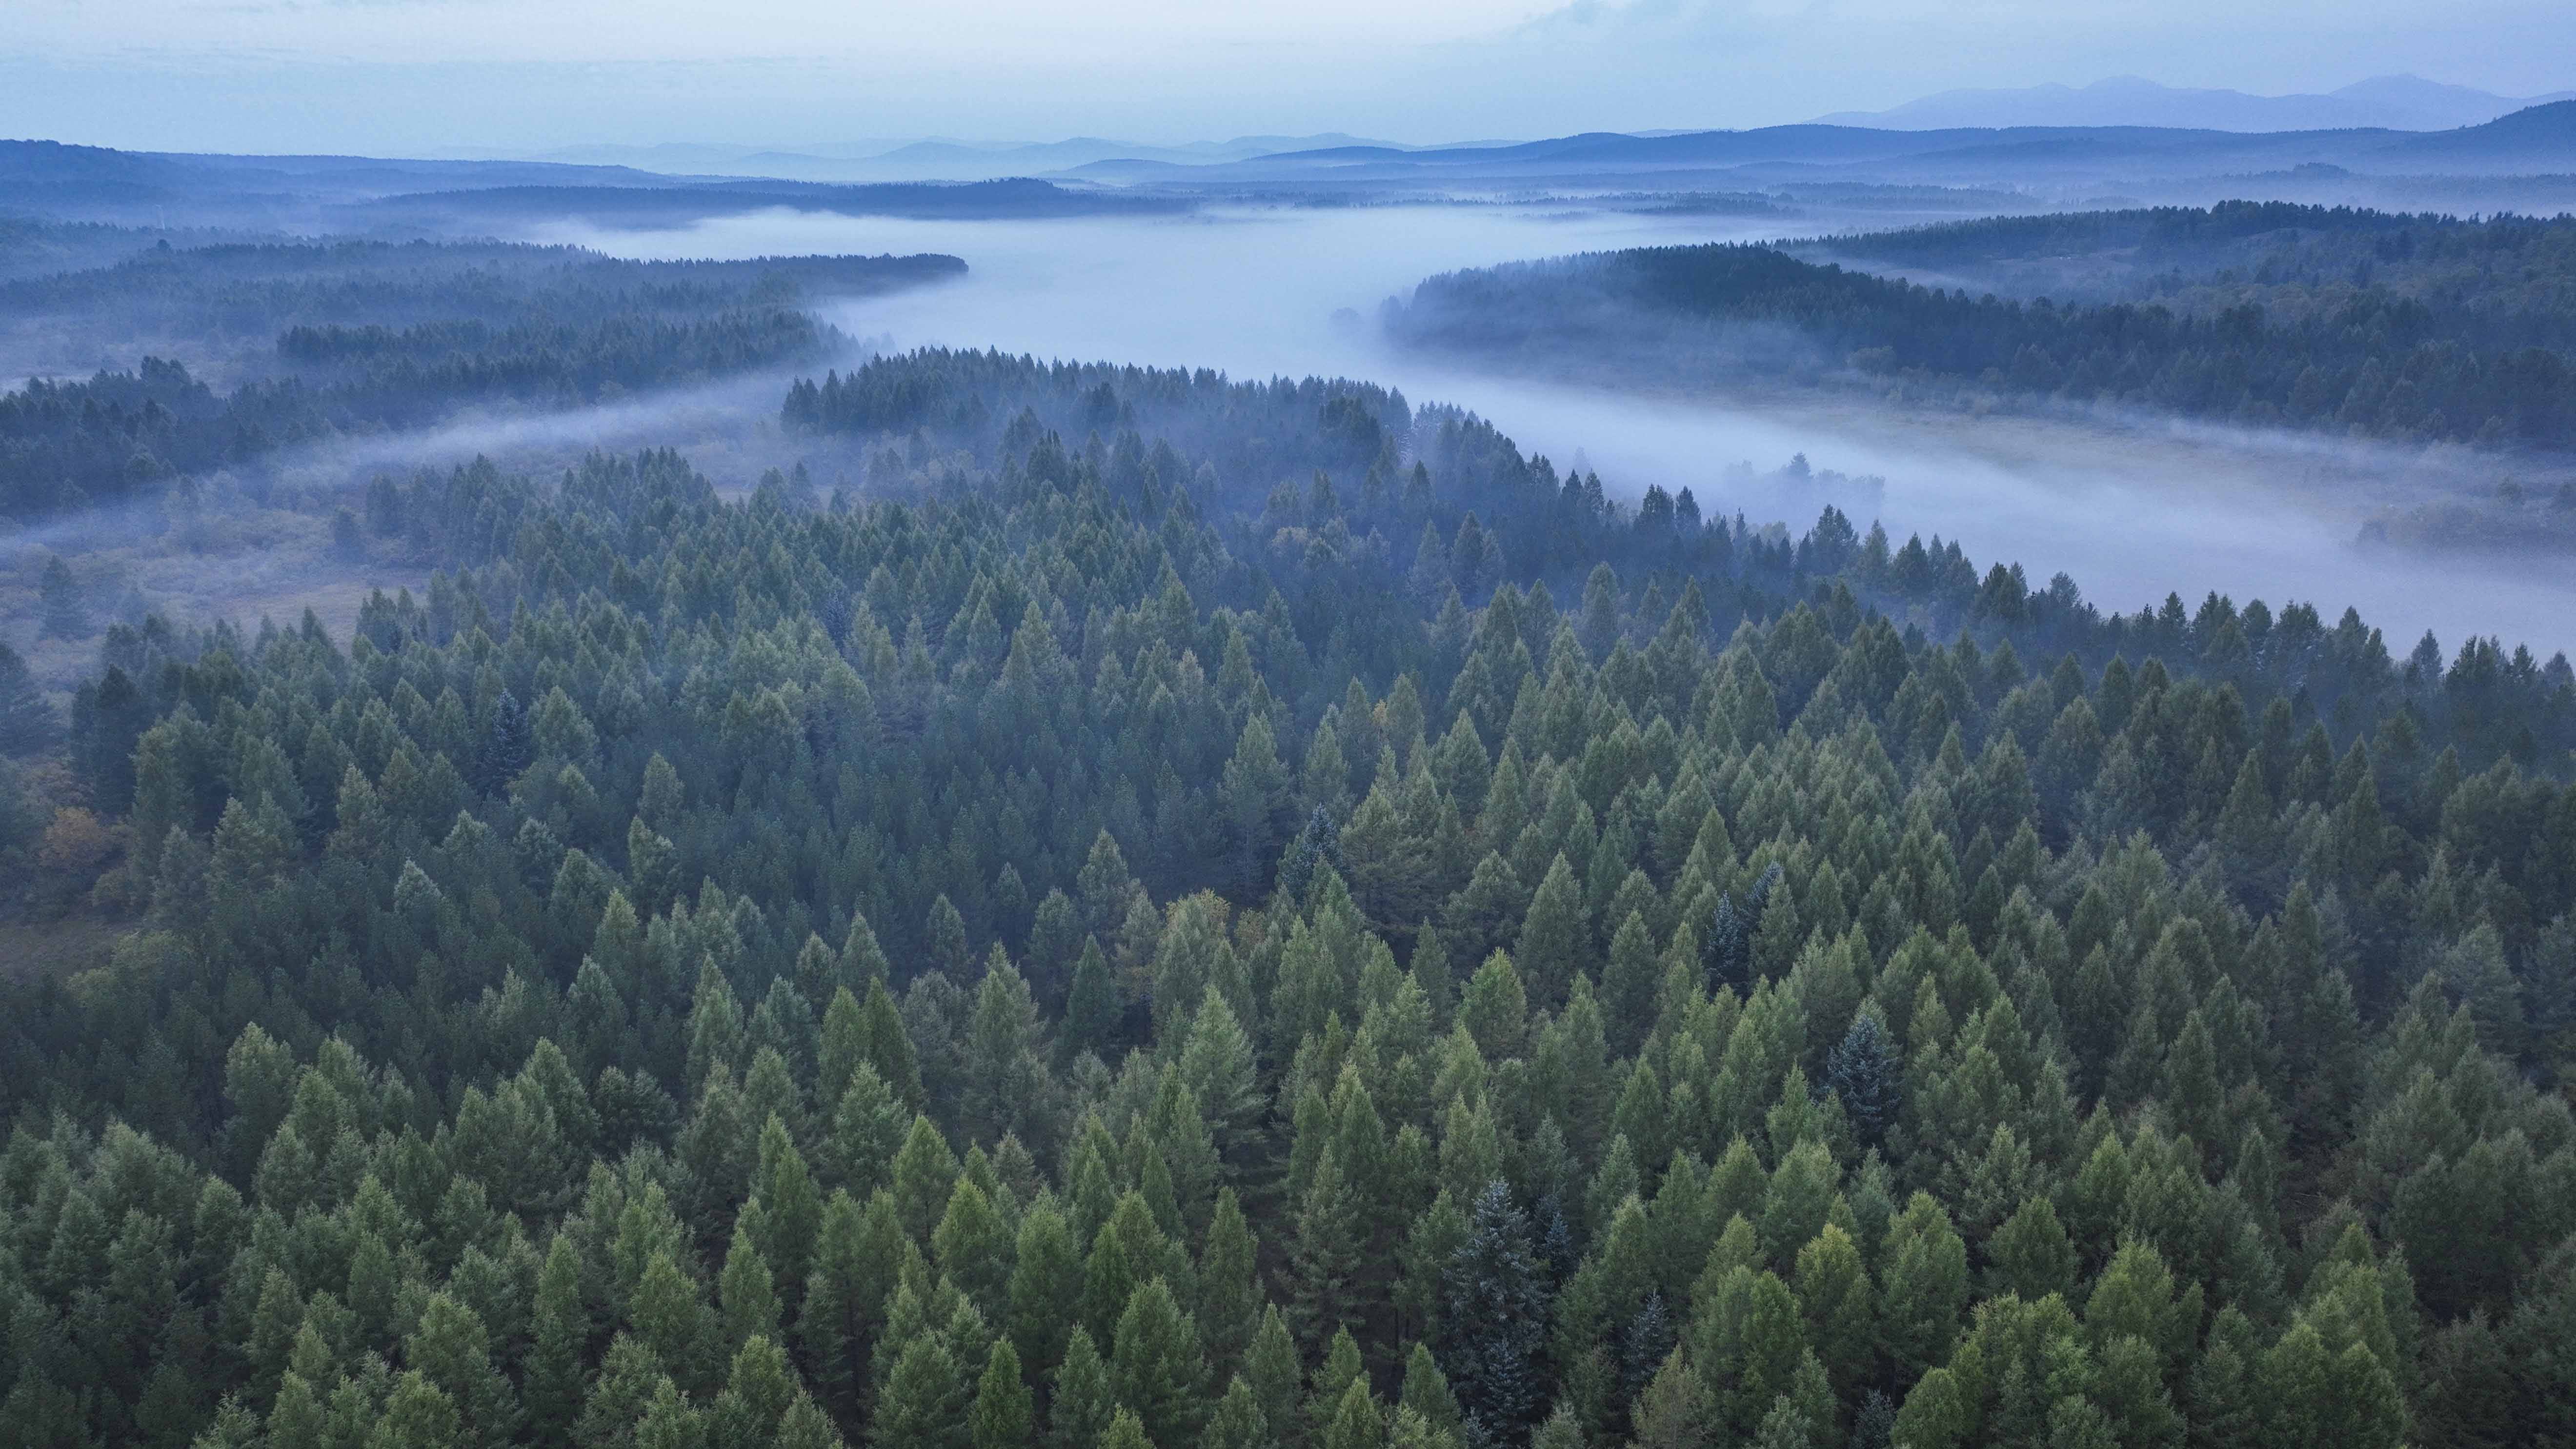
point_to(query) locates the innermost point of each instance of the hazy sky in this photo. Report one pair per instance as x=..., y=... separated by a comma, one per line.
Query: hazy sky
x=420, y=76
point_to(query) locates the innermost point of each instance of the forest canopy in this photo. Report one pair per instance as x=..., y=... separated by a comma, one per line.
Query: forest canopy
x=1250, y=914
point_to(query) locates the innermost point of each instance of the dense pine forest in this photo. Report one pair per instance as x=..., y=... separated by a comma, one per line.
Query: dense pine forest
x=1256, y=914
x=337, y=338
x=34, y=248
x=2267, y=314
x=2499, y=265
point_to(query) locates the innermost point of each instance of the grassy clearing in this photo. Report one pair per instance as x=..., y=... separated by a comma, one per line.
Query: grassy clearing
x=235, y=561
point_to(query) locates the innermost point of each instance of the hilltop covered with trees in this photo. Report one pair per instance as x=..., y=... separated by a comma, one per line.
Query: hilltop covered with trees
x=326, y=339
x=2397, y=327
x=1245, y=915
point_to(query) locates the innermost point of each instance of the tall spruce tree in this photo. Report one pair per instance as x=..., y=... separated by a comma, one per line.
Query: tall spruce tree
x=1861, y=1070
x=1493, y=1320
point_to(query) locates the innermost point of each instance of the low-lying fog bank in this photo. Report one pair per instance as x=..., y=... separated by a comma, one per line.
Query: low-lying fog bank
x=2130, y=513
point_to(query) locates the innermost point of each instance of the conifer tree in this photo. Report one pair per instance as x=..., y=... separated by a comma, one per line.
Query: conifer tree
x=1673, y=1412
x=1835, y=1298
x=452, y=1351
x=1356, y=1421
x=862, y=961
x=1495, y=1009
x=791, y=1210
x=1230, y=1299
x=1551, y=946
x=1005, y=1076
x=1218, y=1064
x=629, y=1378
x=806, y=1426
x=1157, y=1369
x=1272, y=1370
x=1081, y=1407
x=509, y=745
x=1045, y=1288
x=842, y=1047
x=1728, y=947
x=926, y=1399
x=1093, y=1009
x=65, y=611
x=1326, y=1255
x=1493, y=1318
x=868, y=1129
x=1341, y=1368
x=973, y=1247
x=889, y=1046
x=1925, y=1289
x=845, y=1296
x=419, y=1415
x=554, y=1371
x=757, y=1395
x=1236, y=1421
x=1645, y=1342
x=1562, y=1430
x=1126, y=1431
x=746, y=1292
x=2030, y=1255
x=925, y=1176
x=1318, y=847
x=1628, y=985
x=1750, y=1343
x=1256, y=792
x=1129, y=1249
x=671, y=1318
x=1003, y=1416
x=1426, y=1393
x=1861, y=1070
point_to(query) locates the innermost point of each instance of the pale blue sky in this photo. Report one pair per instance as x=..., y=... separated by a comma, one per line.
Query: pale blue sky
x=423, y=76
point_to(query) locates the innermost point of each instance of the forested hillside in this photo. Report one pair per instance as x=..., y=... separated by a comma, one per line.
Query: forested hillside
x=2501, y=263
x=32, y=248
x=332, y=338
x=2262, y=313
x=1201, y=913
x=247, y=292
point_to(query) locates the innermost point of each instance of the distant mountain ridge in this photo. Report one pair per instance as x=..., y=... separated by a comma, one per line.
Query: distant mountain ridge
x=2539, y=137
x=89, y=183
x=940, y=158
x=643, y=206
x=2531, y=141
x=2392, y=102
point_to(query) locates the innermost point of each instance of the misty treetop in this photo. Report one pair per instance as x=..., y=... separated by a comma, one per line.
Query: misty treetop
x=2505, y=272
x=1259, y=915
x=357, y=337
x=2399, y=327
x=33, y=248
x=248, y=291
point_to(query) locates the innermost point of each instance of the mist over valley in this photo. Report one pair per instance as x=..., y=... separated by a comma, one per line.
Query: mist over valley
x=1894, y=782
x=2132, y=506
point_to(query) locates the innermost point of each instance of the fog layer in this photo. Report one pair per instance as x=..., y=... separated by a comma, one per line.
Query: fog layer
x=2130, y=513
